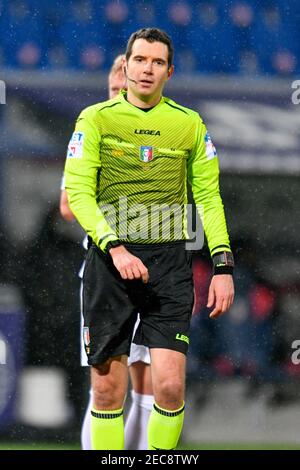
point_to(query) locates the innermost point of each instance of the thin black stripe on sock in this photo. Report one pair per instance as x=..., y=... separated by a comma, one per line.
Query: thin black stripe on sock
x=168, y=413
x=106, y=415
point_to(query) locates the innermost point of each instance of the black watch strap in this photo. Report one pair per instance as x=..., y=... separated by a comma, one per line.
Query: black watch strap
x=223, y=262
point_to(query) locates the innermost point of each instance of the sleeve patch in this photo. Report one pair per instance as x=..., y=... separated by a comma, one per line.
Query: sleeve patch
x=63, y=183
x=209, y=147
x=76, y=145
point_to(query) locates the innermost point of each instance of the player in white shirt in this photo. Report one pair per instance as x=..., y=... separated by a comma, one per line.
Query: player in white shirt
x=139, y=360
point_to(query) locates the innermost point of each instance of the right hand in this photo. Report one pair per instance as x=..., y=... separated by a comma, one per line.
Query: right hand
x=129, y=266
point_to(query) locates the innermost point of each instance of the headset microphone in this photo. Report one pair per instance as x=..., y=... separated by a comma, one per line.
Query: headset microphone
x=131, y=79
x=128, y=78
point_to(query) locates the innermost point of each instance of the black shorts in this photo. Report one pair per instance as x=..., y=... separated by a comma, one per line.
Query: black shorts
x=111, y=304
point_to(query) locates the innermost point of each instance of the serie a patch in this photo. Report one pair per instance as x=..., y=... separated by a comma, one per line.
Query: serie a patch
x=75, y=147
x=209, y=147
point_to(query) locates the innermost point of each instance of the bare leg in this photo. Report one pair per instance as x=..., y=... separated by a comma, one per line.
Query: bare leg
x=168, y=377
x=109, y=383
x=140, y=375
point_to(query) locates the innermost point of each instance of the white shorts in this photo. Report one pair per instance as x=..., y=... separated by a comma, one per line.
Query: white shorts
x=83, y=356
x=138, y=352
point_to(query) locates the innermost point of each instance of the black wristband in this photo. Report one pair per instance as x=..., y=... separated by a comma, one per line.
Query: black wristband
x=223, y=270
x=112, y=244
x=223, y=262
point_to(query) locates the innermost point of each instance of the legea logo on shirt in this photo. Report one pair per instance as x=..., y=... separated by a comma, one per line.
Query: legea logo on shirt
x=76, y=145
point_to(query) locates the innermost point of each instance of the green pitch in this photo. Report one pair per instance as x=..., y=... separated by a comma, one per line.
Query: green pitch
x=239, y=446
x=191, y=446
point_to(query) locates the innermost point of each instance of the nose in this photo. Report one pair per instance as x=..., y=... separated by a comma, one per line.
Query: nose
x=148, y=67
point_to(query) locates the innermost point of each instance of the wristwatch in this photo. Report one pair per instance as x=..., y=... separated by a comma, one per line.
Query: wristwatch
x=223, y=262
x=112, y=244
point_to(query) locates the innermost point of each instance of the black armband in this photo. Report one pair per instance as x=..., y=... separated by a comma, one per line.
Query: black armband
x=223, y=262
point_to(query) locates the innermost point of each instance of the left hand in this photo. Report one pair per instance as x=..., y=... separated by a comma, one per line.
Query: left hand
x=220, y=294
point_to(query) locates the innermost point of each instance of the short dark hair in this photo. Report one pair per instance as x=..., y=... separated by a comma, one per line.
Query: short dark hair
x=151, y=35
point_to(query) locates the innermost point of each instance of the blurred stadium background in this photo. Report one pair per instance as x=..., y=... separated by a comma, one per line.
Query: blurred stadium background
x=236, y=61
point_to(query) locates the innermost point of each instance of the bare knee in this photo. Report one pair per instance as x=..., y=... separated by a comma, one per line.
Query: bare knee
x=109, y=383
x=170, y=393
x=106, y=393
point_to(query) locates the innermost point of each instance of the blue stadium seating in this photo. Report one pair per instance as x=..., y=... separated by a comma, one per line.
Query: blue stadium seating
x=221, y=36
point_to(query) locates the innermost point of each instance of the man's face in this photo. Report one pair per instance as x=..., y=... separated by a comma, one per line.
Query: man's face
x=147, y=68
x=116, y=82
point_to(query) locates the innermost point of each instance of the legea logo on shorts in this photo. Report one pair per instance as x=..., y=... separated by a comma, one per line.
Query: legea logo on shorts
x=181, y=337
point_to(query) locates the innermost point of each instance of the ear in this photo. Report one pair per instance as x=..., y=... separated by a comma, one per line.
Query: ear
x=170, y=72
x=124, y=66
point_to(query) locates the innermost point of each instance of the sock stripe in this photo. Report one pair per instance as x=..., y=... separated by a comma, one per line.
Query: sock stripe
x=106, y=415
x=168, y=413
x=160, y=448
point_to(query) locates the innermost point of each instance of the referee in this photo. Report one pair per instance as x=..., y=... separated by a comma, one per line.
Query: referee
x=126, y=170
